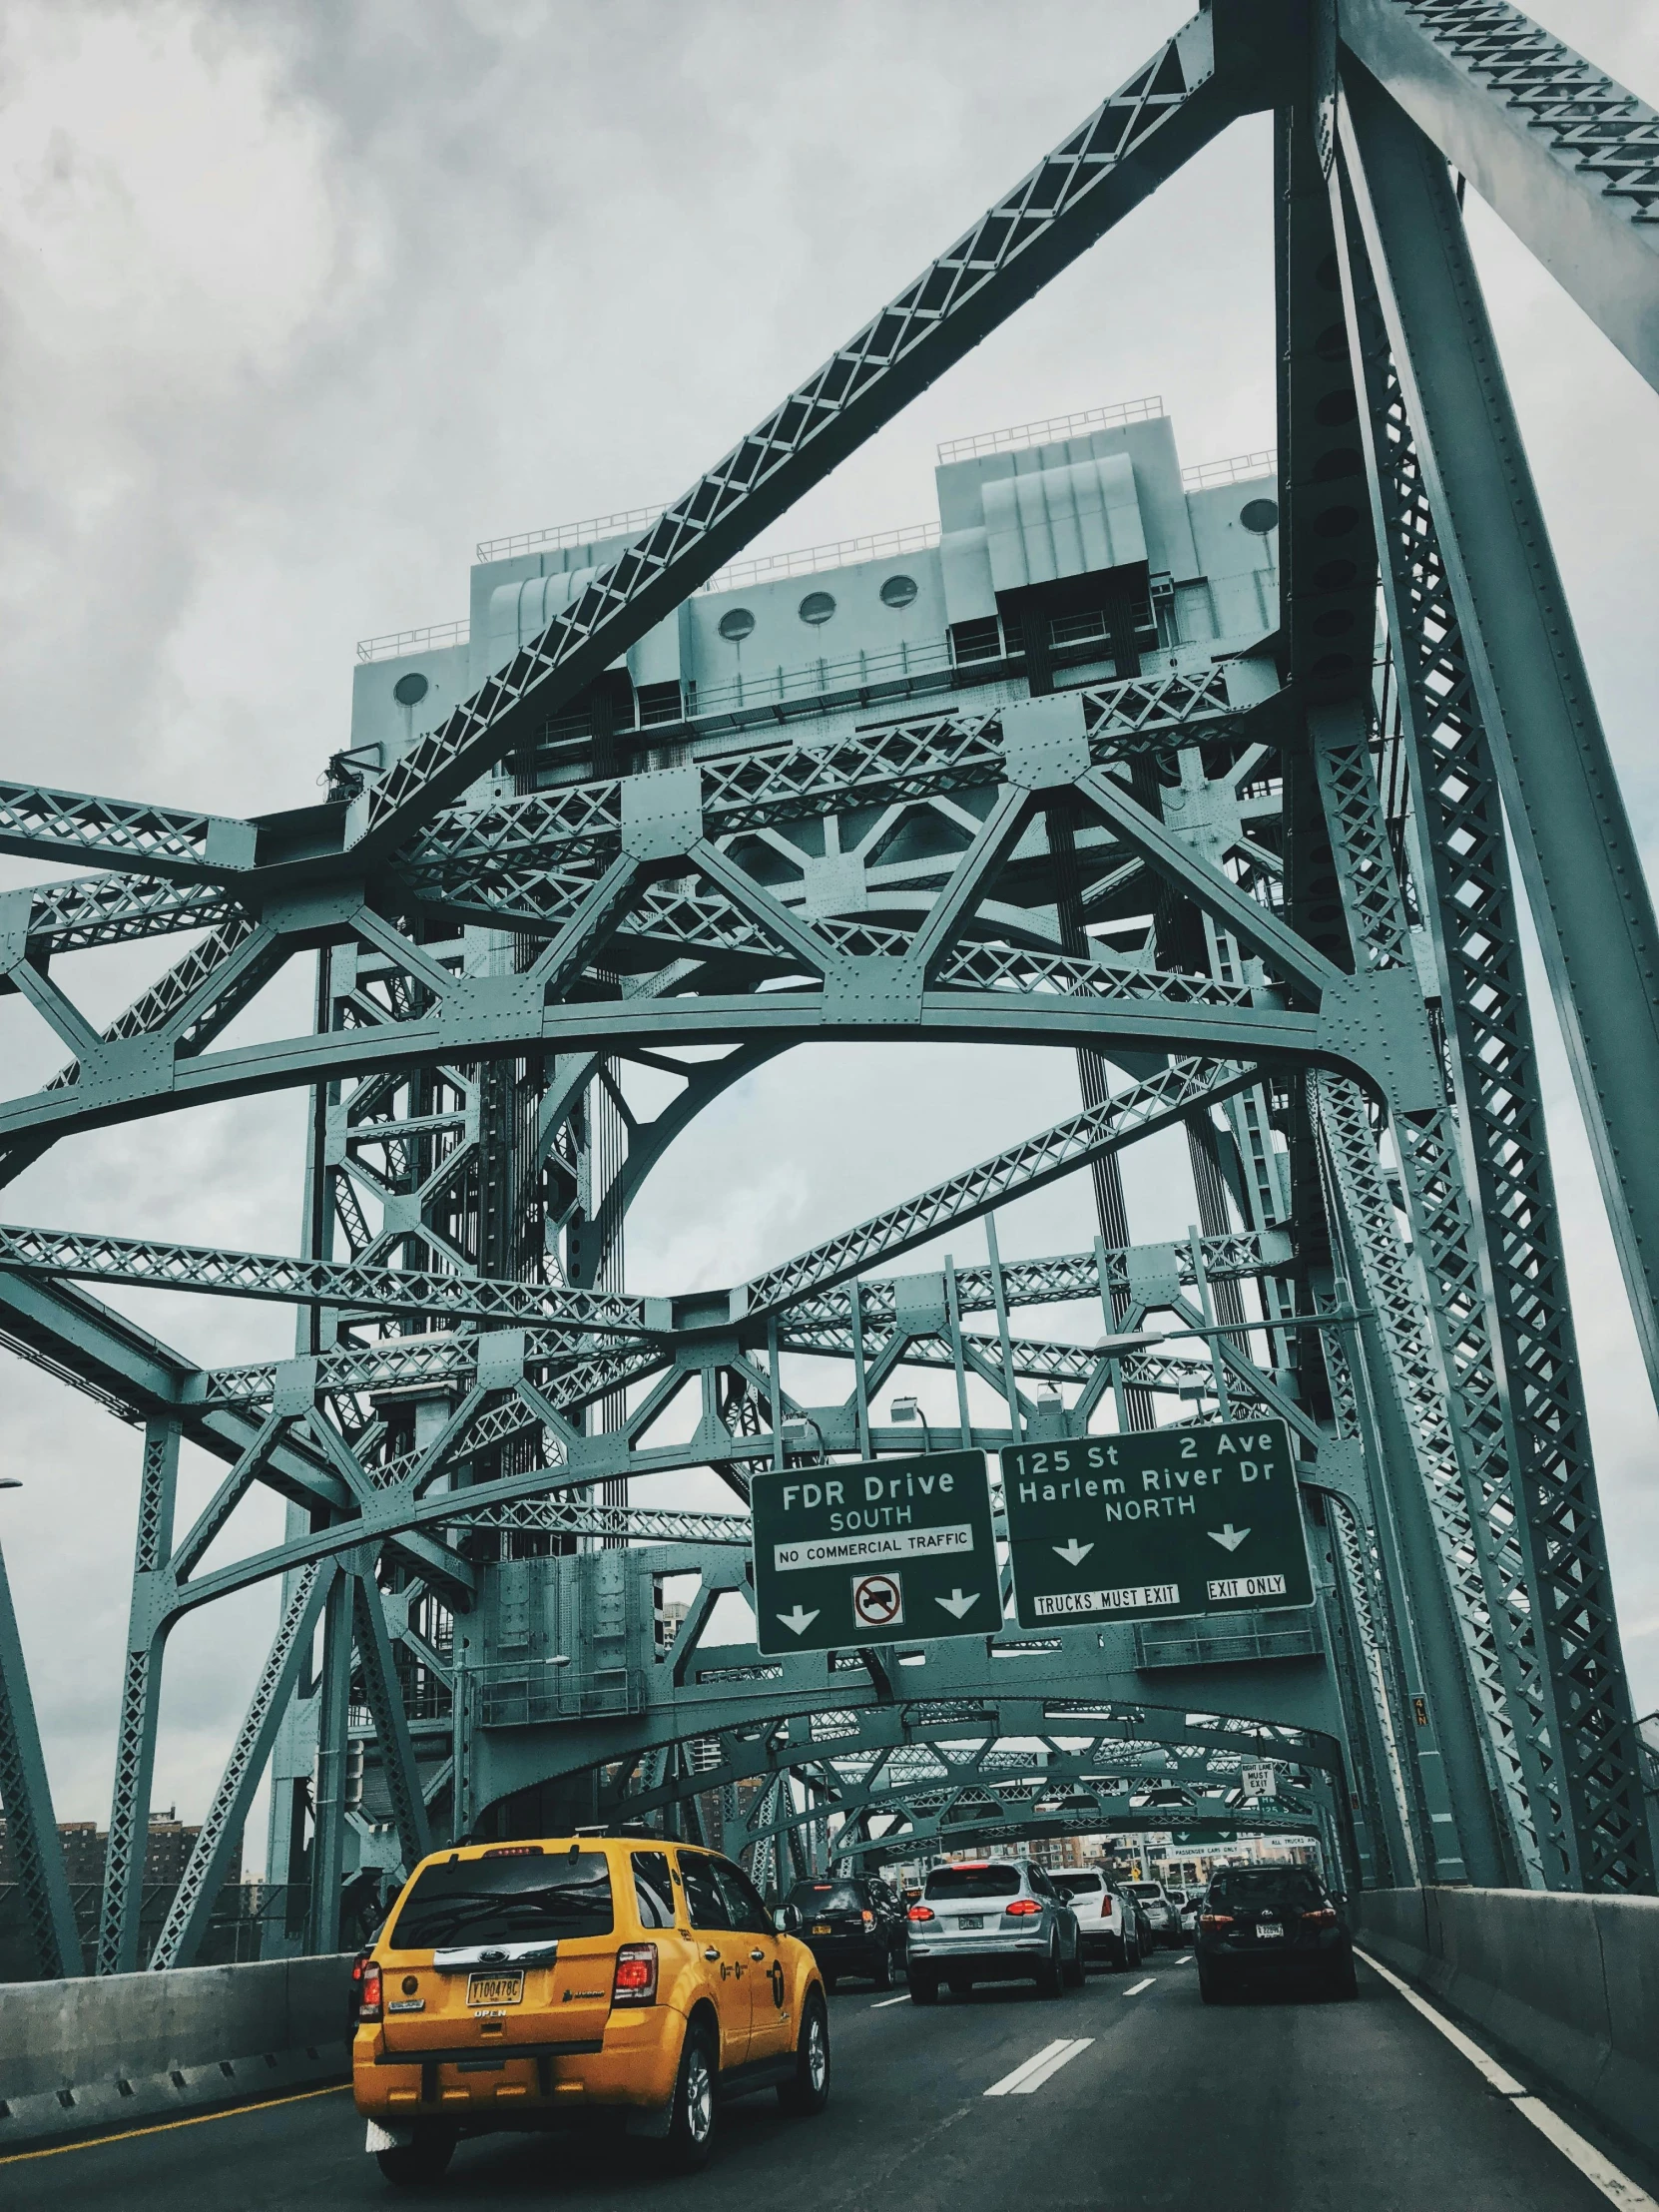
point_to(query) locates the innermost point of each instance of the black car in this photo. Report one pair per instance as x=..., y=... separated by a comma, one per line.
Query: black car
x=851, y=1925
x=1271, y=1925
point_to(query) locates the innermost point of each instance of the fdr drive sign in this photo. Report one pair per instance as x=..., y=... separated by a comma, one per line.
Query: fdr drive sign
x=1143, y=1526
x=851, y=1555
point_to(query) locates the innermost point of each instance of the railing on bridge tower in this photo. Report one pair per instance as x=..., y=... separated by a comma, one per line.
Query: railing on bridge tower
x=1114, y=760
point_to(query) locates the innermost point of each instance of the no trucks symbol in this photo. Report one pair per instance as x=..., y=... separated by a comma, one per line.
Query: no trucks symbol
x=877, y=1600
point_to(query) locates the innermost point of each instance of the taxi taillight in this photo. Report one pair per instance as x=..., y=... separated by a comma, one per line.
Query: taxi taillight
x=369, y=2009
x=920, y=1913
x=635, y=1979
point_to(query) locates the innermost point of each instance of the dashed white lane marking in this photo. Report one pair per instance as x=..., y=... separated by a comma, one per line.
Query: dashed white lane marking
x=885, y=2002
x=1140, y=1986
x=1185, y=1961
x=1616, y=2187
x=1035, y=2072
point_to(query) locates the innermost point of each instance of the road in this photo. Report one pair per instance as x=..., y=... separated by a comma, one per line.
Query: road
x=1276, y=2105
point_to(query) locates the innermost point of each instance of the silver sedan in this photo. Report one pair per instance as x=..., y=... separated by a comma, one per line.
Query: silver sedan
x=991, y=1920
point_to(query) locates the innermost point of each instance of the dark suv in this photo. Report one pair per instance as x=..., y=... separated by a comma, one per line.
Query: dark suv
x=1272, y=1925
x=851, y=1925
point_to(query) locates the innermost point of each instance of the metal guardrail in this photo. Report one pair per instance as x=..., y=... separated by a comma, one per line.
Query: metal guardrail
x=558, y=534
x=1237, y=468
x=396, y=641
x=1022, y=435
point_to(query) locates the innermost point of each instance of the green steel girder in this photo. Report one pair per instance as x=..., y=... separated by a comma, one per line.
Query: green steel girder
x=1545, y=1545
x=1567, y=157
x=26, y=1800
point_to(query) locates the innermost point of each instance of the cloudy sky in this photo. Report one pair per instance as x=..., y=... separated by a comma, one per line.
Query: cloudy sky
x=301, y=300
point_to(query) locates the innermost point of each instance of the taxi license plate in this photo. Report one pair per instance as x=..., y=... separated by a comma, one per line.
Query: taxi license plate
x=495, y=1989
x=1269, y=1930
x=971, y=1919
x=821, y=1927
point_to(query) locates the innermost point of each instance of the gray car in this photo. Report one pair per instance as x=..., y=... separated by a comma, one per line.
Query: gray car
x=1163, y=1915
x=991, y=1920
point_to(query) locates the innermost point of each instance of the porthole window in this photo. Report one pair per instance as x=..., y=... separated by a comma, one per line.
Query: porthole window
x=410, y=689
x=817, y=607
x=1260, y=515
x=898, y=591
x=736, y=624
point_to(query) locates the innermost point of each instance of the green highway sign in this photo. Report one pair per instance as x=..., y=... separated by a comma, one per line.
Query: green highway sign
x=1153, y=1523
x=853, y=1555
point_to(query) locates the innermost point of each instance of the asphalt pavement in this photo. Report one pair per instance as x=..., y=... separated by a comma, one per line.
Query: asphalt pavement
x=1127, y=2093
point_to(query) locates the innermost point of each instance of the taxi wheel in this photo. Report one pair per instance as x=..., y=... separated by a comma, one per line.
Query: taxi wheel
x=691, y=2120
x=412, y=2165
x=809, y=2092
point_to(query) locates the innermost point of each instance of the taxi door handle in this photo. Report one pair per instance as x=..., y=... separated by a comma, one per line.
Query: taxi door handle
x=756, y=1955
x=711, y=1951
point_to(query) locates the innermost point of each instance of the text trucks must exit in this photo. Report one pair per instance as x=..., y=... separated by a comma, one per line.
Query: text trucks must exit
x=1168, y=1521
x=853, y=1555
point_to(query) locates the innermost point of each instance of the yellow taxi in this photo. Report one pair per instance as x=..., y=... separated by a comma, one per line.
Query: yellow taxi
x=519, y=1985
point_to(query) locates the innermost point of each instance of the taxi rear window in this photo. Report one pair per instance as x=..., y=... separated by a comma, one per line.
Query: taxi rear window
x=514, y=1898
x=973, y=1882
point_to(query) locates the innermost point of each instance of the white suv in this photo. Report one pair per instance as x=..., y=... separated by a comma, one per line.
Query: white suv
x=1106, y=1921
x=991, y=1920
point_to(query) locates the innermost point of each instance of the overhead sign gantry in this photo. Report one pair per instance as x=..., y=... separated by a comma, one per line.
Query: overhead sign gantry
x=1165, y=1523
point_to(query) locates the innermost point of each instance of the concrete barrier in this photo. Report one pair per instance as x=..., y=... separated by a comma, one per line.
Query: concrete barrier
x=1568, y=1983
x=76, y=2056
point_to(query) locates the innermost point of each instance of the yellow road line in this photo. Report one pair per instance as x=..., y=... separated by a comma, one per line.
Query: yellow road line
x=163, y=2127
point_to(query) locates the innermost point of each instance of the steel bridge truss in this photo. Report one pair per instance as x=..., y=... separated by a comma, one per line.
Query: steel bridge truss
x=1273, y=893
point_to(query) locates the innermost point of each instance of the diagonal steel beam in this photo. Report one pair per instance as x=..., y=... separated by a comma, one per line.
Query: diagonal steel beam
x=26, y=1794
x=219, y=1272
x=1120, y=1120
x=124, y=833
x=1568, y=158
x=1170, y=108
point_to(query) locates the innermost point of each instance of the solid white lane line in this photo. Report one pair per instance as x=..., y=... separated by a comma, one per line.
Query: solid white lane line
x=1140, y=1986
x=885, y=2002
x=1616, y=2187
x=1036, y=2071
x=1074, y=2049
x=1011, y=2081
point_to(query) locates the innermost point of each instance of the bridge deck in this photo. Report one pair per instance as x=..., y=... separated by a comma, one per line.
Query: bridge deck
x=1278, y=2103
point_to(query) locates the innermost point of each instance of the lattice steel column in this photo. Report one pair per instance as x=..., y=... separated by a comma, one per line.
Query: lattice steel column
x=135, y=1750
x=333, y=1719
x=1443, y=1360
x=26, y=1798
x=1545, y=1516
x=193, y=1901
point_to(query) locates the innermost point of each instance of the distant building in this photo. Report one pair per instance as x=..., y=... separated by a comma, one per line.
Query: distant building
x=85, y=1845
